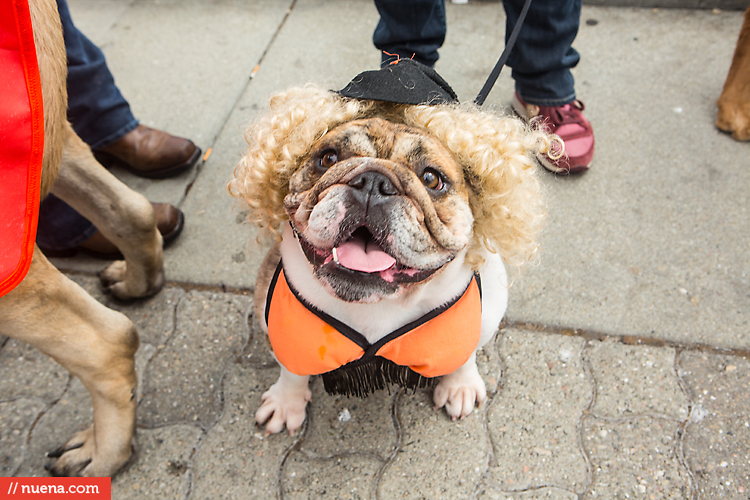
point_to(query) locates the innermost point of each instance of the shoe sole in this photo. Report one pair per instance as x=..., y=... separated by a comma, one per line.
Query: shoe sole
x=167, y=238
x=108, y=160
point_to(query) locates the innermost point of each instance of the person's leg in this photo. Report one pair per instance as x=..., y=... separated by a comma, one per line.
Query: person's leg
x=101, y=116
x=541, y=60
x=60, y=227
x=410, y=29
x=99, y=113
x=543, y=55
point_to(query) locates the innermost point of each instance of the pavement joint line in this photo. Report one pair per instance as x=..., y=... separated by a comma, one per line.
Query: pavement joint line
x=499, y=386
x=626, y=339
x=40, y=415
x=311, y=455
x=678, y=449
x=591, y=378
x=528, y=326
x=485, y=409
x=159, y=349
x=295, y=446
x=256, y=68
x=273, y=39
x=684, y=427
x=586, y=412
x=198, y=169
x=397, y=446
x=682, y=460
x=191, y=464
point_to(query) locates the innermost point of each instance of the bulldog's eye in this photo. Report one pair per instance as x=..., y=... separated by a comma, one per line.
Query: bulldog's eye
x=431, y=179
x=328, y=159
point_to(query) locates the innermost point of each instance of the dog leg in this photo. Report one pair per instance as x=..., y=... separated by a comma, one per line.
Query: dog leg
x=95, y=344
x=284, y=403
x=461, y=390
x=125, y=217
x=734, y=103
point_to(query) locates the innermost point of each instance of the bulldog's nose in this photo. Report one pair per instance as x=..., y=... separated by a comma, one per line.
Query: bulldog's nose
x=373, y=184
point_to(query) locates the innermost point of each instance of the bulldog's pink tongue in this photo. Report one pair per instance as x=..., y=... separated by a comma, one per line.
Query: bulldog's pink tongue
x=365, y=255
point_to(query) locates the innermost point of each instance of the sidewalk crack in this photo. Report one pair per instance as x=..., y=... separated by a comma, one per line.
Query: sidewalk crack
x=682, y=430
x=397, y=446
x=626, y=339
x=295, y=446
x=38, y=418
x=491, y=459
x=588, y=371
x=237, y=100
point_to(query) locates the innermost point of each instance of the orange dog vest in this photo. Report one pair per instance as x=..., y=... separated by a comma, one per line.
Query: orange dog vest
x=308, y=341
x=21, y=142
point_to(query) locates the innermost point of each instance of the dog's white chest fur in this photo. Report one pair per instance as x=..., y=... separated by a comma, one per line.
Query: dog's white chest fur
x=376, y=320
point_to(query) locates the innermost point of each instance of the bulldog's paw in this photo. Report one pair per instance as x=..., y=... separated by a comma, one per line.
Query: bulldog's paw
x=126, y=288
x=284, y=406
x=460, y=391
x=80, y=457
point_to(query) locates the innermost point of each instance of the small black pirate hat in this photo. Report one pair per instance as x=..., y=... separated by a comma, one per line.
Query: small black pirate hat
x=403, y=82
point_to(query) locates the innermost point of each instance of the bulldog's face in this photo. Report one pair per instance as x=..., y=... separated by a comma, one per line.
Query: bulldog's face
x=377, y=208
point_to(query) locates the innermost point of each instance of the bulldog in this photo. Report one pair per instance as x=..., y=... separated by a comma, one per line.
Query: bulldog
x=395, y=209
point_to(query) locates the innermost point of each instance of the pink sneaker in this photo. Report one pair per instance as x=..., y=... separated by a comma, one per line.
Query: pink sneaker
x=570, y=125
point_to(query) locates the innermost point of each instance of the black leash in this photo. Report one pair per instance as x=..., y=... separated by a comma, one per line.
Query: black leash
x=503, y=57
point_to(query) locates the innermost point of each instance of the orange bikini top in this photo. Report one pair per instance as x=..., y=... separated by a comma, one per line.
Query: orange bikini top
x=308, y=341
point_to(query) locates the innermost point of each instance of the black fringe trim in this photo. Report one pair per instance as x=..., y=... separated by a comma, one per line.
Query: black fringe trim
x=365, y=376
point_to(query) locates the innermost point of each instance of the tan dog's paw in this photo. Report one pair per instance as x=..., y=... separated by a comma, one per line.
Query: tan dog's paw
x=734, y=102
x=460, y=391
x=734, y=118
x=116, y=282
x=80, y=457
x=284, y=404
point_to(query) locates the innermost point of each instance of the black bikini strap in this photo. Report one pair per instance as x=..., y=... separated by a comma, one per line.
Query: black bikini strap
x=351, y=333
x=271, y=288
x=420, y=321
x=345, y=330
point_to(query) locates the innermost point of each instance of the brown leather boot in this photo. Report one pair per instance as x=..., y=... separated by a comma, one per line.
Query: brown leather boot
x=169, y=220
x=151, y=153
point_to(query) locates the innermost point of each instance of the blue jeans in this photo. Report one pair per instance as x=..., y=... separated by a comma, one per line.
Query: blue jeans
x=541, y=59
x=100, y=115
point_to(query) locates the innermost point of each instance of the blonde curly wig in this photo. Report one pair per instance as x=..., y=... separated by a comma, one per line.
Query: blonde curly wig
x=496, y=152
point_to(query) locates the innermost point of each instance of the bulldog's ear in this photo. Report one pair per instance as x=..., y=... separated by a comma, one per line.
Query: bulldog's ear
x=278, y=140
x=474, y=188
x=472, y=182
x=508, y=209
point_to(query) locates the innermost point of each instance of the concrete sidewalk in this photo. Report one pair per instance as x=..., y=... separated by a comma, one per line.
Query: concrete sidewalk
x=623, y=368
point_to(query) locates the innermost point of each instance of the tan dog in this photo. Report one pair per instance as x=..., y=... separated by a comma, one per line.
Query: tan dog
x=386, y=212
x=734, y=102
x=58, y=317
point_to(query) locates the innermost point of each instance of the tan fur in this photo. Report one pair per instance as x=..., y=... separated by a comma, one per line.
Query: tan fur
x=52, y=70
x=50, y=312
x=265, y=275
x=734, y=102
x=495, y=152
